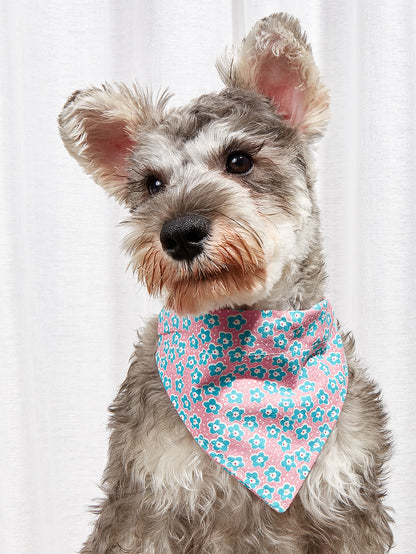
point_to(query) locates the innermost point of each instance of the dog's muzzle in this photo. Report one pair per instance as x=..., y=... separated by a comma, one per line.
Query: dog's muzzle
x=183, y=237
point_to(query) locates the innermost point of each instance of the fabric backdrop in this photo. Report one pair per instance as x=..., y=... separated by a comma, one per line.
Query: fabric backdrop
x=69, y=309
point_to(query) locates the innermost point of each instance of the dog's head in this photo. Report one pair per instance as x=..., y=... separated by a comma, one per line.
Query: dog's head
x=220, y=190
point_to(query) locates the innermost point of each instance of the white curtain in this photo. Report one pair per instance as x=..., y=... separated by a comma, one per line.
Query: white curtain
x=68, y=309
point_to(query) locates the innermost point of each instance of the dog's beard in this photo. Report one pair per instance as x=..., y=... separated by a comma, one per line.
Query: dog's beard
x=231, y=266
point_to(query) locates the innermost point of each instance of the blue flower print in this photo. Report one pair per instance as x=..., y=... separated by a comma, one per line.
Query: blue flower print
x=269, y=412
x=193, y=342
x=234, y=397
x=343, y=394
x=180, y=368
x=299, y=415
x=204, y=335
x=287, y=404
x=333, y=413
x=259, y=459
x=305, y=356
x=286, y=492
x=334, y=358
x=235, y=414
x=286, y=391
x=216, y=369
x=252, y=479
x=283, y=324
x=191, y=363
x=240, y=369
x=272, y=431
x=298, y=333
x=280, y=341
x=256, y=395
x=235, y=462
x=227, y=380
x=340, y=377
x=216, y=427
x=313, y=327
x=337, y=341
x=203, y=357
x=175, y=337
x=307, y=386
x=196, y=377
x=316, y=445
x=271, y=386
x=322, y=396
x=166, y=328
x=195, y=421
x=317, y=414
x=218, y=457
x=258, y=371
x=324, y=368
x=166, y=346
x=303, y=471
x=236, y=321
x=296, y=348
x=303, y=432
x=186, y=322
x=302, y=455
x=266, y=313
x=211, y=389
x=196, y=395
x=211, y=320
x=306, y=402
x=266, y=492
x=215, y=351
x=175, y=401
x=257, y=356
x=212, y=406
x=220, y=444
x=202, y=441
x=175, y=322
x=186, y=403
x=287, y=423
x=284, y=443
x=325, y=431
x=226, y=340
x=293, y=366
x=183, y=415
x=332, y=385
x=288, y=462
x=277, y=374
x=257, y=442
x=272, y=474
x=266, y=329
x=297, y=316
x=179, y=385
x=236, y=355
x=280, y=360
x=247, y=338
x=167, y=382
x=172, y=355
x=276, y=506
x=250, y=422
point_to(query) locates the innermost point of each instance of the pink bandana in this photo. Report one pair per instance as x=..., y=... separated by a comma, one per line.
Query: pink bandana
x=260, y=391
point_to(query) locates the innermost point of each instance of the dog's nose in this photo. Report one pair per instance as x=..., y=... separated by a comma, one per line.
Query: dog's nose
x=182, y=238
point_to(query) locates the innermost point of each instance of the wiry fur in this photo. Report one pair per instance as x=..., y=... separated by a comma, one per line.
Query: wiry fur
x=163, y=494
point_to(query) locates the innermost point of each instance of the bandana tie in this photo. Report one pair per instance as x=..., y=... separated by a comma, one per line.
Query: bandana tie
x=259, y=391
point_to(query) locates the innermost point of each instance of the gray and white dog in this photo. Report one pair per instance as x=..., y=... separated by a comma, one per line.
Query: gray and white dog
x=224, y=215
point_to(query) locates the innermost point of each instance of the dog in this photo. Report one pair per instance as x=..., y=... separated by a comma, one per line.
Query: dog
x=224, y=221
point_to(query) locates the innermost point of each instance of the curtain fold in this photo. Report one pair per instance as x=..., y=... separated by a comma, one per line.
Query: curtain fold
x=69, y=310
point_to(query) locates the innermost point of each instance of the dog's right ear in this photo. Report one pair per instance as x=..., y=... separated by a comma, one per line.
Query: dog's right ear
x=99, y=126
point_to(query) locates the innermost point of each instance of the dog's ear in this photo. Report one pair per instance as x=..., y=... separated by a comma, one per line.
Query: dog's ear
x=276, y=60
x=99, y=126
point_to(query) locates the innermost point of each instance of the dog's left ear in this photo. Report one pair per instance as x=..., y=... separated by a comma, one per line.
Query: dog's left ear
x=276, y=60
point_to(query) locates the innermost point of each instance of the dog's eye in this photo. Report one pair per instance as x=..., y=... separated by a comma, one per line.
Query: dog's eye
x=239, y=162
x=154, y=185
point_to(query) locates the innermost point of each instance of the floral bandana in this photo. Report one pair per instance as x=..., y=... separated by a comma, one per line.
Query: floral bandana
x=259, y=391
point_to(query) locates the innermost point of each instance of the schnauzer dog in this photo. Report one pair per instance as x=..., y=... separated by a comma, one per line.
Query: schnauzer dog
x=246, y=423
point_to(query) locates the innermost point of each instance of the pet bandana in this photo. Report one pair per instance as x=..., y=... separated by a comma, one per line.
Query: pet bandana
x=259, y=391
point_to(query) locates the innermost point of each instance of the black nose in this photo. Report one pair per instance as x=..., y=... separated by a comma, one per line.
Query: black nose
x=182, y=238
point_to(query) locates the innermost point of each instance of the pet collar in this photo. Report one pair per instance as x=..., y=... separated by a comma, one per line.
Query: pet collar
x=259, y=391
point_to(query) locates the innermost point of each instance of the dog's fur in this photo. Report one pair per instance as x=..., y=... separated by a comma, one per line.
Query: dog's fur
x=263, y=251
